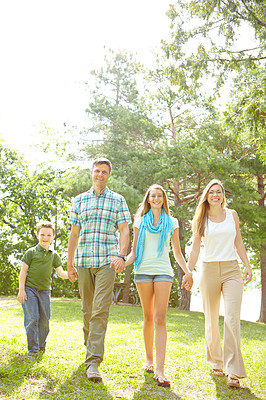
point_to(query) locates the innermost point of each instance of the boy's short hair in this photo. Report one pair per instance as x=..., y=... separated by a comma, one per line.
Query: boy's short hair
x=45, y=224
x=102, y=160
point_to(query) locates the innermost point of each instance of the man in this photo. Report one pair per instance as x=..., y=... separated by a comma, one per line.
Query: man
x=95, y=217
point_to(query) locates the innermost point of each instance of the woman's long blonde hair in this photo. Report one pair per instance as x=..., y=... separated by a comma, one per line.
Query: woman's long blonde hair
x=201, y=213
x=145, y=206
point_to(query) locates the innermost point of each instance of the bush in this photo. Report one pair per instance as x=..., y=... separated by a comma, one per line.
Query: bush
x=9, y=277
x=64, y=288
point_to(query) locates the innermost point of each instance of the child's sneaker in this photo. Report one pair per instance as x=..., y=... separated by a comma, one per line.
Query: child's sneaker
x=31, y=354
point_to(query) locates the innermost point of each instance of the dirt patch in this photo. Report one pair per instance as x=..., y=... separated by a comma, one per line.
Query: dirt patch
x=6, y=302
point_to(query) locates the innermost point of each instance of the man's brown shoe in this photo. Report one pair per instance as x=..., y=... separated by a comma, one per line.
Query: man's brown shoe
x=93, y=373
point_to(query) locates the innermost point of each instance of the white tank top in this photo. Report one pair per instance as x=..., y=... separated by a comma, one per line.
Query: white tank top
x=219, y=239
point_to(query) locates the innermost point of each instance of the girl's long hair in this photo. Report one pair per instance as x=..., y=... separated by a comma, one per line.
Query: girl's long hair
x=145, y=206
x=201, y=214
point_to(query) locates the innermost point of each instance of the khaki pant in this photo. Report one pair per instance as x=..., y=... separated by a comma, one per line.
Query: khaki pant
x=216, y=278
x=96, y=288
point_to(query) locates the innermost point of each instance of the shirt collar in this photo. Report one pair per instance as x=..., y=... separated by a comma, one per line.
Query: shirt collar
x=41, y=249
x=102, y=193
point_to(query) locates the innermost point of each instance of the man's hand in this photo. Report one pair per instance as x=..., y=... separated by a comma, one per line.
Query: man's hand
x=72, y=273
x=118, y=264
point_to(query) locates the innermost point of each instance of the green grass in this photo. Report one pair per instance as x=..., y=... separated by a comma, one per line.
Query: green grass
x=59, y=374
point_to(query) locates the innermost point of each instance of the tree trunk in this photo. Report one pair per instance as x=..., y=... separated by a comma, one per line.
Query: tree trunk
x=126, y=289
x=185, y=295
x=262, y=317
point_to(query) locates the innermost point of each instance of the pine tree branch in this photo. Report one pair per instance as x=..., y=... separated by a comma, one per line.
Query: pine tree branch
x=244, y=50
x=239, y=60
x=136, y=136
x=253, y=14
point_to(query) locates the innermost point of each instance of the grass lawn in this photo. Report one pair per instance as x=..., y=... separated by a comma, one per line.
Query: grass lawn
x=59, y=374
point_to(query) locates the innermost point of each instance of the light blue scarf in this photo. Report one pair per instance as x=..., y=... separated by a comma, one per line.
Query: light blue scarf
x=164, y=226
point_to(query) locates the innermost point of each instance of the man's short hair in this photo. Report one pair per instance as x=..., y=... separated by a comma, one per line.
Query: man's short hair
x=45, y=224
x=102, y=160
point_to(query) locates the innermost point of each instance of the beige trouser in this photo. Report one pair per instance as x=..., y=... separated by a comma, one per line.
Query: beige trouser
x=216, y=278
x=96, y=288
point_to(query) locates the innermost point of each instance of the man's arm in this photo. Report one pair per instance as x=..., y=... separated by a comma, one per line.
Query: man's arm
x=118, y=263
x=124, y=237
x=72, y=247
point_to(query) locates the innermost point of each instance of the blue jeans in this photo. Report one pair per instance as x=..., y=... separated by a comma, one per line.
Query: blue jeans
x=37, y=312
x=138, y=278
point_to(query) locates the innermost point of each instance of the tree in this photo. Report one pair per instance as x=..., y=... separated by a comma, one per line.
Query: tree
x=217, y=55
x=255, y=172
x=177, y=149
x=26, y=198
x=205, y=44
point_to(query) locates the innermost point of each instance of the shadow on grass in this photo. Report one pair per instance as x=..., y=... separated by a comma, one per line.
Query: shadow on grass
x=76, y=387
x=151, y=391
x=13, y=373
x=224, y=392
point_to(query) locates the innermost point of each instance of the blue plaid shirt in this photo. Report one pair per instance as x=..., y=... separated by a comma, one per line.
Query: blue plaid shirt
x=98, y=218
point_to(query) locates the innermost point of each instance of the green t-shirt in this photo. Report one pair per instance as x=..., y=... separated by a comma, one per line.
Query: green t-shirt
x=41, y=263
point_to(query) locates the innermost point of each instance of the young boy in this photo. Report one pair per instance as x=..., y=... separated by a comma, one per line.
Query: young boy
x=35, y=287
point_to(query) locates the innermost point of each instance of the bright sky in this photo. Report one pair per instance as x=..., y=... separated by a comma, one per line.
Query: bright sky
x=49, y=47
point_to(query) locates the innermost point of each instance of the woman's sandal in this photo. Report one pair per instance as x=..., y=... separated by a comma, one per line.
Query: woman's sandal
x=217, y=372
x=162, y=381
x=148, y=368
x=233, y=382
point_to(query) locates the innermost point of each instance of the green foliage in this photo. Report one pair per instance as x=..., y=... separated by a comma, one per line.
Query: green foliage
x=9, y=277
x=166, y=133
x=27, y=198
x=175, y=294
x=64, y=288
x=205, y=45
x=246, y=112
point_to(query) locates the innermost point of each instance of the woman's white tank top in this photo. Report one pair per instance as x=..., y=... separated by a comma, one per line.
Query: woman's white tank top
x=219, y=239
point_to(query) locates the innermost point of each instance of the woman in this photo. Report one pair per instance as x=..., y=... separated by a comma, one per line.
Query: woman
x=218, y=226
x=153, y=228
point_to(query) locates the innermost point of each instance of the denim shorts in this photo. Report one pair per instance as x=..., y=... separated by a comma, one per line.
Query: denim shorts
x=138, y=278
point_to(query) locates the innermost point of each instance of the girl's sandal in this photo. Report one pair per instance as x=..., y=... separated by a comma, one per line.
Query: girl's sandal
x=217, y=372
x=162, y=381
x=148, y=368
x=233, y=382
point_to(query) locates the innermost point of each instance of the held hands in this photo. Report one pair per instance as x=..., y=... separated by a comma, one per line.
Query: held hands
x=247, y=274
x=118, y=264
x=72, y=273
x=187, y=281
